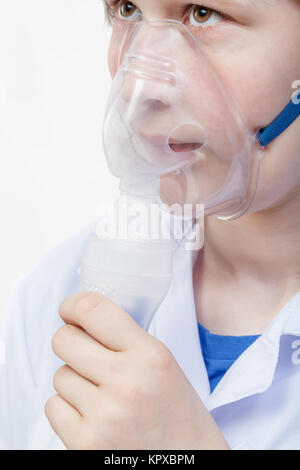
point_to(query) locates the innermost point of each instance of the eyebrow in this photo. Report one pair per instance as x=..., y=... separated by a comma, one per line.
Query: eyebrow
x=234, y=3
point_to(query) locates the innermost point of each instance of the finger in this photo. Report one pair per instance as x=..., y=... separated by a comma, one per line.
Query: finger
x=103, y=319
x=83, y=353
x=76, y=390
x=65, y=420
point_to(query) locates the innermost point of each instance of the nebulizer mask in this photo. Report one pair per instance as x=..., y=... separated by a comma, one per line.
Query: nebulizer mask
x=173, y=137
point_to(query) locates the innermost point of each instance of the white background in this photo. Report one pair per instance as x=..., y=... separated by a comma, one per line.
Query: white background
x=54, y=83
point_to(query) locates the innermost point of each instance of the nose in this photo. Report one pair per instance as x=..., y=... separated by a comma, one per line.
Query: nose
x=148, y=81
x=147, y=66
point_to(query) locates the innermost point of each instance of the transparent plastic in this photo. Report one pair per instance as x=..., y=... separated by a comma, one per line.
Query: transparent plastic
x=136, y=274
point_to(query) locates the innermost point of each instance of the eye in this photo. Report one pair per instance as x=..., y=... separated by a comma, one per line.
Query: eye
x=128, y=10
x=203, y=16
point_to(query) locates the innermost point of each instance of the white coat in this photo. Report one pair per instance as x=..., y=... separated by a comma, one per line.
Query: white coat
x=256, y=404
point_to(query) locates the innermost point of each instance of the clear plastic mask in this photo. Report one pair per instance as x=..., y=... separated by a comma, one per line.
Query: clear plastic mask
x=172, y=129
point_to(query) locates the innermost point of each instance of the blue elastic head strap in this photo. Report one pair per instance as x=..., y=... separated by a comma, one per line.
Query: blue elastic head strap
x=280, y=124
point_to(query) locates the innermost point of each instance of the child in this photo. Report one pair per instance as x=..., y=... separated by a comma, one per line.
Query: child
x=219, y=367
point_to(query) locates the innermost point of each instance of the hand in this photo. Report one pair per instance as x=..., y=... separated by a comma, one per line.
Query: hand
x=121, y=388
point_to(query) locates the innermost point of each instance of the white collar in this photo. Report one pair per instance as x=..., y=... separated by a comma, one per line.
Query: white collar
x=175, y=324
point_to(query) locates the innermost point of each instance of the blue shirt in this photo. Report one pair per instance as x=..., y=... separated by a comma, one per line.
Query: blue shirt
x=220, y=352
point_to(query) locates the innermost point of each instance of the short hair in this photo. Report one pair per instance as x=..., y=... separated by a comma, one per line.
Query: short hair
x=109, y=13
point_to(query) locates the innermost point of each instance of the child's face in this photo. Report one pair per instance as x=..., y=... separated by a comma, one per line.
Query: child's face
x=254, y=46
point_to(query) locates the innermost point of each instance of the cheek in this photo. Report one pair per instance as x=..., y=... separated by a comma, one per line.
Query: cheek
x=113, y=53
x=260, y=90
x=258, y=71
x=115, y=48
x=119, y=42
x=113, y=57
x=206, y=101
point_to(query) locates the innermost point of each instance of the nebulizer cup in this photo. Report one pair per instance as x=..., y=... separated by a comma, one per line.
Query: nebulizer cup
x=173, y=137
x=125, y=263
